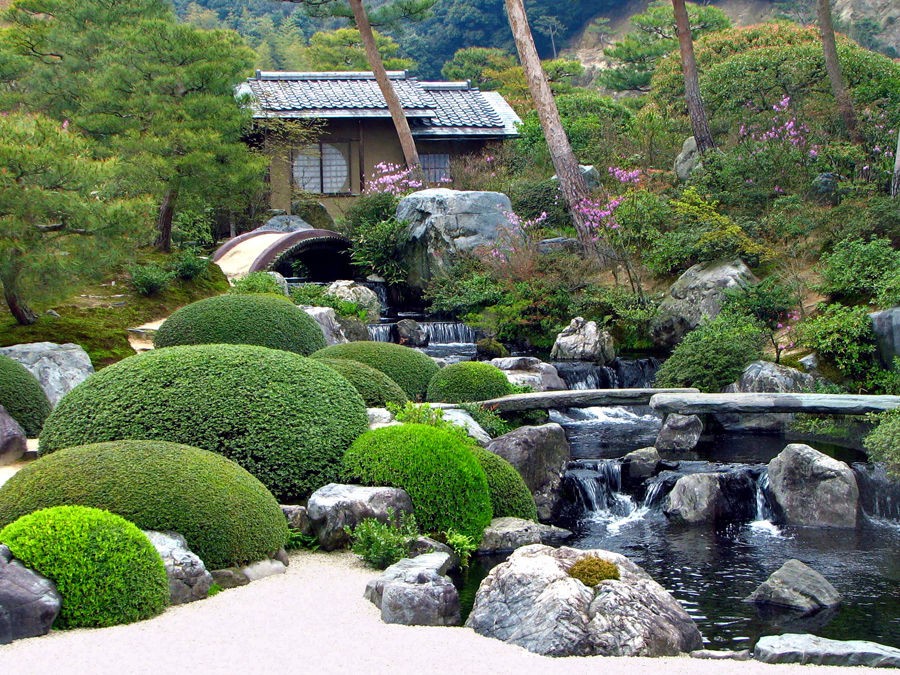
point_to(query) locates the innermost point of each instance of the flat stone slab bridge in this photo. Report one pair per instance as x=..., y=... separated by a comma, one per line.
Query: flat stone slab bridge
x=692, y=402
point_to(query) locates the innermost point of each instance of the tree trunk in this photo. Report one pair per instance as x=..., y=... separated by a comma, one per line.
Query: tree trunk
x=895, y=182
x=401, y=124
x=571, y=181
x=24, y=315
x=164, y=221
x=699, y=122
x=833, y=68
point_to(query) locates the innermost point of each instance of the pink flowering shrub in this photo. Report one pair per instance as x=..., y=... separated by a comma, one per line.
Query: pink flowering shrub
x=392, y=179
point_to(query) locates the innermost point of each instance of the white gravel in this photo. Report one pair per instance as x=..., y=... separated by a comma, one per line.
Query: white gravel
x=314, y=620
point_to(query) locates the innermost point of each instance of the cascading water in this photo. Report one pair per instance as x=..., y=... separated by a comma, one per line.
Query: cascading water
x=380, y=332
x=879, y=494
x=618, y=374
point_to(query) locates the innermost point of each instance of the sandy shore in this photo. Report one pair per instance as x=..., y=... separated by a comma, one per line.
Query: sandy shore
x=314, y=619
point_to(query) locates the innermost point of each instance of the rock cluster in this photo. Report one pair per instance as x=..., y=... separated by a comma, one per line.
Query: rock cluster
x=333, y=508
x=583, y=341
x=417, y=592
x=508, y=534
x=188, y=578
x=530, y=372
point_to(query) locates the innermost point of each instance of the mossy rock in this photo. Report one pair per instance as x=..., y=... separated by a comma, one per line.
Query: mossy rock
x=489, y=348
x=105, y=569
x=285, y=418
x=376, y=388
x=251, y=319
x=591, y=570
x=22, y=396
x=509, y=494
x=437, y=469
x=226, y=515
x=468, y=381
x=408, y=367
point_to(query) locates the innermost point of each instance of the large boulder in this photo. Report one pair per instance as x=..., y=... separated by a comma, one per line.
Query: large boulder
x=811, y=649
x=334, y=507
x=886, y=325
x=445, y=223
x=59, y=368
x=688, y=159
x=531, y=601
x=465, y=421
x=531, y=372
x=29, y=603
x=284, y=223
x=762, y=377
x=13, y=442
x=679, y=433
x=698, y=294
x=583, y=341
x=327, y=319
x=810, y=488
x=507, y=534
x=188, y=578
x=540, y=455
x=796, y=586
x=417, y=592
x=713, y=498
x=640, y=464
x=350, y=291
x=410, y=333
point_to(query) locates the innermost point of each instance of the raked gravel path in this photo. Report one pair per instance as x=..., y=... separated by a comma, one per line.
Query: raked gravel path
x=314, y=620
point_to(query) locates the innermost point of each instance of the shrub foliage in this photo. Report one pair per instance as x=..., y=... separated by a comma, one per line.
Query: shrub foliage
x=376, y=388
x=509, y=494
x=22, y=396
x=468, y=381
x=592, y=570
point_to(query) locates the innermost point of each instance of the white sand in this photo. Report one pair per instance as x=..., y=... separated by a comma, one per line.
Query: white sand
x=314, y=620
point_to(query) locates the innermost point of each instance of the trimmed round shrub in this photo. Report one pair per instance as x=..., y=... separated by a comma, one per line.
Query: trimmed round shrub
x=264, y=320
x=226, y=515
x=468, y=381
x=285, y=418
x=437, y=468
x=22, y=396
x=376, y=388
x=592, y=570
x=406, y=366
x=509, y=494
x=105, y=569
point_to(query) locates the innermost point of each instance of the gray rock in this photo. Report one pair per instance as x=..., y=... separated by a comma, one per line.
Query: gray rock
x=281, y=555
x=531, y=601
x=712, y=498
x=445, y=223
x=507, y=534
x=297, y=518
x=687, y=403
x=408, y=332
x=284, y=223
x=13, y=442
x=697, y=295
x=764, y=377
x=5, y=554
x=679, y=433
x=416, y=592
x=886, y=325
x=688, y=159
x=562, y=244
x=230, y=577
x=463, y=419
x=350, y=291
x=640, y=464
x=327, y=319
x=589, y=173
x=380, y=417
x=796, y=586
x=29, y=603
x=812, y=489
x=263, y=568
x=811, y=649
x=333, y=507
x=422, y=545
x=540, y=455
x=721, y=655
x=281, y=281
x=59, y=368
x=582, y=341
x=354, y=329
x=530, y=372
x=188, y=578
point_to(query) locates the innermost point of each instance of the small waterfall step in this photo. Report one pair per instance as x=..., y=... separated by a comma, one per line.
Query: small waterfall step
x=438, y=332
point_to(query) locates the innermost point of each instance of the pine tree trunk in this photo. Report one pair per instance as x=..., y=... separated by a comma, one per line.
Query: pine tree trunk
x=401, y=124
x=24, y=315
x=571, y=181
x=833, y=68
x=895, y=183
x=699, y=122
x=164, y=221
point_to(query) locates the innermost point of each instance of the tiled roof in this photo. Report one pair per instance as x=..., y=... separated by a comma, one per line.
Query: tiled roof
x=435, y=109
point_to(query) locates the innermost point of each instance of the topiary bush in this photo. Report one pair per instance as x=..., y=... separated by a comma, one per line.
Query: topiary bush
x=592, y=570
x=448, y=487
x=226, y=515
x=105, y=569
x=468, y=381
x=285, y=418
x=22, y=396
x=376, y=388
x=256, y=283
x=509, y=494
x=406, y=366
x=856, y=268
x=264, y=320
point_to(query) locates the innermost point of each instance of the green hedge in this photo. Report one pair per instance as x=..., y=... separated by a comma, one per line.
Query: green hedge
x=105, y=569
x=264, y=320
x=376, y=388
x=509, y=494
x=406, y=366
x=22, y=396
x=226, y=515
x=285, y=418
x=468, y=381
x=447, y=485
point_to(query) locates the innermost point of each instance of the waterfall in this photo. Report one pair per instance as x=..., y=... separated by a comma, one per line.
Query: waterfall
x=448, y=332
x=380, y=289
x=618, y=374
x=594, y=483
x=764, y=509
x=879, y=494
x=380, y=332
